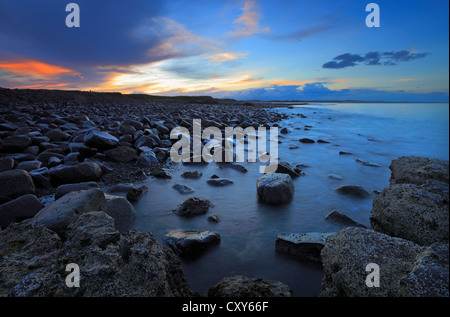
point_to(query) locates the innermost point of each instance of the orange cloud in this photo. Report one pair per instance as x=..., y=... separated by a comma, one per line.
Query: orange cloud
x=223, y=57
x=248, y=22
x=406, y=79
x=37, y=69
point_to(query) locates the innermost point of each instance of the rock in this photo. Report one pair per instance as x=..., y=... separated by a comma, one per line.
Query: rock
x=345, y=153
x=146, y=141
x=41, y=177
x=183, y=189
x=82, y=172
x=348, y=252
x=219, y=182
x=192, y=174
x=322, y=141
x=335, y=176
x=417, y=170
x=67, y=188
x=15, y=144
x=275, y=188
x=87, y=152
x=57, y=135
x=284, y=131
x=123, y=154
x=120, y=188
x=336, y=216
x=192, y=207
x=100, y=140
x=159, y=172
x=367, y=163
x=121, y=211
x=286, y=168
x=419, y=213
x=134, y=194
x=190, y=242
x=306, y=140
x=29, y=165
x=6, y=164
x=111, y=265
x=58, y=214
x=16, y=183
x=240, y=286
x=238, y=167
x=306, y=246
x=353, y=190
x=24, y=207
x=213, y=218
x=147, y=159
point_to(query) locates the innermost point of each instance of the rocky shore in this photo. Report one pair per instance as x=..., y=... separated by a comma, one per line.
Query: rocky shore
x=64, y=158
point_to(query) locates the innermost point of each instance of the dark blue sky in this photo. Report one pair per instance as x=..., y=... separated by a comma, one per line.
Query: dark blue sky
x=245, y=49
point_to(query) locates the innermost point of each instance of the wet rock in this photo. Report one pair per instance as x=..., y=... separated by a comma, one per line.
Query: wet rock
x=58, y=214
x=238, y=167
x=286, y=168
x=306, y=246
x=82, y=172
x=284, y=131
x=183, y=189
x=121, y=211
x=120, y=188
x=29, y=165
x=240, y=286
x=159, y=172
x=336, y=216
x=322, y=141
x=419, y=213
x=417, y=170
x=306, y=140
x=335, y=176
x=213, y=218
x=57, y=135
x=41, y=177
x=67, y=188
x=24, y=207
x=6, y=164
x=219, y=182
x=401, y=262
x=190, y=242
x=134, y=194
x=147, y=159
x=14, y=144
x=123, y=154
x=16, y=183
x=367, y=163
x=100, y=140
x=345, y=153
x=353, y=190
x=275, y=188
x=193, y=206
x=87, y=152
x=146, y=141
x=192, y=174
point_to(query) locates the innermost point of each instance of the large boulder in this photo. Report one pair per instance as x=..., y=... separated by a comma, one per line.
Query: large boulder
x=189, y=242
x=123, y=154
x=417, y=170
x=16, y=183
x=240, y=286
x=26, y=206
x=82, y=172
x=121, y=211
x=419, y=213
x=34, y=259
x=405, y=268
x=58, y=214
x=100, y=140
x=286, y=168
x=275, y=188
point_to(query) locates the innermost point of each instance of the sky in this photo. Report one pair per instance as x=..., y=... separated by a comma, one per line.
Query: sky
x=241, y=49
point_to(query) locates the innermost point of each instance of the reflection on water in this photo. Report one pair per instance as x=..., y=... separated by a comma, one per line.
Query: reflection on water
x=375, y=133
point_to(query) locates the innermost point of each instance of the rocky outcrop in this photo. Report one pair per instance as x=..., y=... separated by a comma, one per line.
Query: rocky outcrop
x=34, y=259
x=240, y=286
x=417, y=170
x=275, y=188
x=405, y=268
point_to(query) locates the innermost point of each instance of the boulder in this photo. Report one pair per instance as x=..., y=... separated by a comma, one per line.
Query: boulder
x=306, y=246
x=134, y=194
x=15, y=143
x=82, y=172
x=57, y=135
x=16, y=183
x=183, y=189
x=67, y=188
x=336, y=216
x=353, y=190
x=6, y=164
x=240, y=286
x=219, y=182
x=147, y=159
x=419, y=213
x=24, y=207
x=121, y=211
x=306, y=140
x=192, y=174
x=275, y=188
x=417, y=170
x=29, y=165
x=100, y=140
x=286, y=168
x=58, y=214
x=190, y=242
x=192, y=207
x=401, y=263
x=123, y=154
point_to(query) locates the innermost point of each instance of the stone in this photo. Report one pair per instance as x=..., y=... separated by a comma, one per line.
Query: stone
x=190, y=242
x=306, y=140
x=240, y=286
x=58, y=214
x=82, y=172
x=417, y=170
x=183, y=189
x=193, y=207
x=67, y=188
x=286, y=168
x=6, y=164
x=24, y=207
x=16, y=183
x=336, y=216
x=213, y=218
x=41, y=177
x=29, y=165
x=147, y=159
x=306, y=246
x=275, y=188
x=219, y=182
x=353, y=190
x=123, y=154
x=121, y=211
x=57, y=135
x=100, y=140
x=192, y=174
x=366, y=163
x=15, y=143
x=134, y=194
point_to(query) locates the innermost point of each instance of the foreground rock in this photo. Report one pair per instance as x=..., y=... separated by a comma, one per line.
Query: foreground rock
x=240, y=286
x=33, y=261
x=275, y=188
x=306, y=246
x=417, y=170
x=21, y=208
x=16, y=183
x=121, y=211
x=67, y=188
x=406, y=269
x=82, y=172
x=191, y=242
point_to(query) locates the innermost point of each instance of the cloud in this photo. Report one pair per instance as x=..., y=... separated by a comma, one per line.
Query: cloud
x=28, y=67
x=224, y=57
x=248, y=22
x=373, y=58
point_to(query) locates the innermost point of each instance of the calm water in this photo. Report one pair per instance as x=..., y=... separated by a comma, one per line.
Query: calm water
x=377, y=133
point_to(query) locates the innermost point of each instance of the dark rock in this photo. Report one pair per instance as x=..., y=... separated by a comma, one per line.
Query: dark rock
x=322, y=141
x=67, y=188
x=183, y=189
x=123, y=154
x=121, y=211
x=213, y=218
x=336, y=216
x=16, y=143
x=417, y=170
x=192, y=207
x=275, y=188
x=306, y=140
x=134, y=194
x=219, y=182
x=16, y=183
x=286, y=168
x=6, y=164
x=24, y=207
x=57, y=135
x=353, y=190
x=240, y=286
x=192, y=174
x=82, y=172
x=306, y=246
x=100, y=140
x=189, y=242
